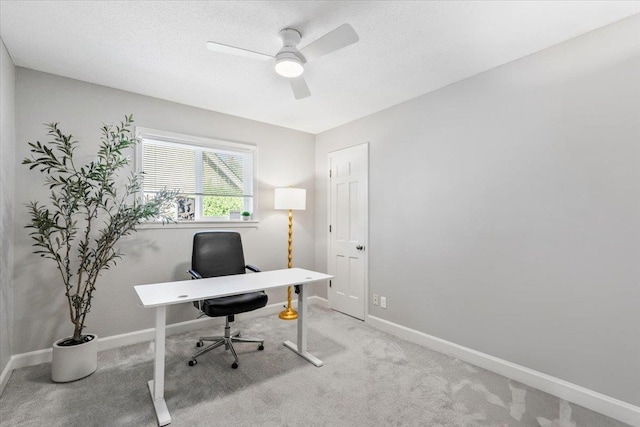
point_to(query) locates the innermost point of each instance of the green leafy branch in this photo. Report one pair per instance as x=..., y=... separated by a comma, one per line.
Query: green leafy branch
x=89, y=210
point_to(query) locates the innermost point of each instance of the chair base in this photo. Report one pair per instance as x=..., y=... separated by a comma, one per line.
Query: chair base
x=227, y=340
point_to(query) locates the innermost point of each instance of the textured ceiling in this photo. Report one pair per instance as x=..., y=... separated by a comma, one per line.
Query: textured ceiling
x=406, y=48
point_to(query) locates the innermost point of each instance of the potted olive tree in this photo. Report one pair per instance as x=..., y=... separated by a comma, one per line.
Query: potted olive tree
x=89, y=209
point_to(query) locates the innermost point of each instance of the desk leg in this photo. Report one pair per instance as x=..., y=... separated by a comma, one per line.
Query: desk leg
x=156, y=385
x=301, y=347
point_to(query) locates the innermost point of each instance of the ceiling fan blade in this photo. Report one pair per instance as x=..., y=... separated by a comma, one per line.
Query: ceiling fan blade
x=300, y=88
x=342, y=36
x=232, y=50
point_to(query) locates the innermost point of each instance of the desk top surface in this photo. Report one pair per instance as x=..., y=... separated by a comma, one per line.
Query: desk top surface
x=168, y=293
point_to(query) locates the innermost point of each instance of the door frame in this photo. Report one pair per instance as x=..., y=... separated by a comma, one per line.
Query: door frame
x=366, y=224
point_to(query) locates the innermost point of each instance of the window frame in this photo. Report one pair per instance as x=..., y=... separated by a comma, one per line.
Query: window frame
x=193, y=141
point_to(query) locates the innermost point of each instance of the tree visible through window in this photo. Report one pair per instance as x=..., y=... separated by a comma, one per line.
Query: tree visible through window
x=223, y=173
x=215, y=177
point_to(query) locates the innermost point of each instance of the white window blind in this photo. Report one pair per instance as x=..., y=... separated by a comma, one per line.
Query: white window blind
x=215, y=176
x=168, y=166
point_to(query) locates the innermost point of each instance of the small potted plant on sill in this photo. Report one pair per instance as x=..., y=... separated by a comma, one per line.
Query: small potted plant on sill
x=246, y=215
x=89, y=210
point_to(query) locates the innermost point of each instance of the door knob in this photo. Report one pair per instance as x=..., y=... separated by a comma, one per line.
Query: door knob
x=359, y=247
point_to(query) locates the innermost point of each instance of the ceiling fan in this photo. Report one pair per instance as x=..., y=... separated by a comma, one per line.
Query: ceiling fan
x=289, y=61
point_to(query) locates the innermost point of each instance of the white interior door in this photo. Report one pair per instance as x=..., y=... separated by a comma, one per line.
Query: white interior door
x=348, y=229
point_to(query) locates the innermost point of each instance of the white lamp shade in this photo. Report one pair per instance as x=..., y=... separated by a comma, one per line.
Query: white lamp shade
x=290, y=198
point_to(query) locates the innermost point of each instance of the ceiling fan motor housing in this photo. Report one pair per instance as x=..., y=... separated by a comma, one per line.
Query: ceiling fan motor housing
x=290, y=37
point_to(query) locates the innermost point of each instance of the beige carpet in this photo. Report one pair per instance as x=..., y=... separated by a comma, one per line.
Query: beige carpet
x=369, y=378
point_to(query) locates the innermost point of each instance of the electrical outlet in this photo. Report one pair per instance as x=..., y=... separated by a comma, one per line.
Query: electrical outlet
x=375, y=299
x=383, y=302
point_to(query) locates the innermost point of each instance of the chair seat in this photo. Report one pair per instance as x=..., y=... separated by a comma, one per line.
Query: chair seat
x=234, y=304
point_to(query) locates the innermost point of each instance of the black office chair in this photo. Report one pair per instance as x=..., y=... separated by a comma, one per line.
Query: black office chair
x=219, y=253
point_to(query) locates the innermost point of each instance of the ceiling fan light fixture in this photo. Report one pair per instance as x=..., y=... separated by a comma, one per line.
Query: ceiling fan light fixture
x=289, y=66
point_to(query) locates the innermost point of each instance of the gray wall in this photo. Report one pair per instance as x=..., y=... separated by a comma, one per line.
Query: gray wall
x=153, y=255
x=526, y=182
x=7, y=133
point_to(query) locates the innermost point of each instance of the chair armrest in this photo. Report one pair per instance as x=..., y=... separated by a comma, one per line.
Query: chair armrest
x=252, y=268
x=194, y=274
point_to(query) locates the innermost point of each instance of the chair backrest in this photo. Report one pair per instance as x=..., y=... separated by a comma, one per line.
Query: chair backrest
x=217, y=253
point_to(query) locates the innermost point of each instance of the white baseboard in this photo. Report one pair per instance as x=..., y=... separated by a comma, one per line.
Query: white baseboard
x=37, y=357
x=316, y=300
x=4, y=376
x=582, y=396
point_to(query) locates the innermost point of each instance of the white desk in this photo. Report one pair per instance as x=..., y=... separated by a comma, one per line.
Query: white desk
x=160, y=295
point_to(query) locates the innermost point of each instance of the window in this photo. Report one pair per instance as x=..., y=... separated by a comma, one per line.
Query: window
x=215, y=178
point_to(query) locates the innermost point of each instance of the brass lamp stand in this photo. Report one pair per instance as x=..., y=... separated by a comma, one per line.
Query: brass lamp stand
x=289, y=313
x=291, y=199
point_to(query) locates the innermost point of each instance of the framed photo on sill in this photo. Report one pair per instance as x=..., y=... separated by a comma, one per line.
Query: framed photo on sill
x=186, y=209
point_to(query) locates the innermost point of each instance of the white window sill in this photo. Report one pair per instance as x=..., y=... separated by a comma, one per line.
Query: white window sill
x=200, y=224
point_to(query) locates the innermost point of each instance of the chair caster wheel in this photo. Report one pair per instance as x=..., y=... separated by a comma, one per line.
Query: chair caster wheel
x=199, y=344
x=261, y=347
x=193, y=362
x=234, y=366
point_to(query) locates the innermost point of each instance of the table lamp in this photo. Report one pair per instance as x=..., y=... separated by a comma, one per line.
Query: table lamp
x=291, y=199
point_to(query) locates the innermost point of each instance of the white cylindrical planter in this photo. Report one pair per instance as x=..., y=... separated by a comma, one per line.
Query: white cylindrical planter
x=74, y=362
